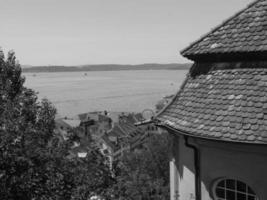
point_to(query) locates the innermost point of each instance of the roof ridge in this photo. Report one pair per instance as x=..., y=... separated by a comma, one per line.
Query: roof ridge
x=219, y=26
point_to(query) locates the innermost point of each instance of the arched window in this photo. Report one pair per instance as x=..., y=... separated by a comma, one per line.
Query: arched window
x=231, y=189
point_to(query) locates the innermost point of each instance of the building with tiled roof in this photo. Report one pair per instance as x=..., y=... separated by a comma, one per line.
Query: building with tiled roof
x=124, y=136
x=218, y=118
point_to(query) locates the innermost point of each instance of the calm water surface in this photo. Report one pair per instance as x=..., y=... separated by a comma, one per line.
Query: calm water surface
x=74, y=92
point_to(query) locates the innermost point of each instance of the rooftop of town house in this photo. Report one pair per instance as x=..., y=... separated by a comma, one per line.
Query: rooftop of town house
x=114, y=116
x=72, y=122
x=97, y=116
x=122, y=132
x=68, y=122
x=225, y=100
x=243, y=33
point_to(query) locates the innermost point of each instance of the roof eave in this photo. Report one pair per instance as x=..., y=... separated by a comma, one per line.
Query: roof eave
x=180, y=132
x=228, y=56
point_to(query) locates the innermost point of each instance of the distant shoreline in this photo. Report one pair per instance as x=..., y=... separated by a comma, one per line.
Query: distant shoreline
x=106, y=67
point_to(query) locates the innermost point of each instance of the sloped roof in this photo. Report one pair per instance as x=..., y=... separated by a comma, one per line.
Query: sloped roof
x=131, y=117
x=243, y=33
x=110, y=143
x=123, y=131
x=229, y=105
x=73, y=123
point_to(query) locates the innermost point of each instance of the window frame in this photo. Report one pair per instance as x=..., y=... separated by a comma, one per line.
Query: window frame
x=217, y=181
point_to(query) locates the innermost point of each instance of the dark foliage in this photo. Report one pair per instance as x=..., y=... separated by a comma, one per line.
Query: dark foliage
x=143, y=174
x=33, y=163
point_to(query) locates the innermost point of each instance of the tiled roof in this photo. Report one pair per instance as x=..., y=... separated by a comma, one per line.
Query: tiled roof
x=131, y=117
x=110, y=143
x=243, y=33
x=229, y=105
x=123, y=132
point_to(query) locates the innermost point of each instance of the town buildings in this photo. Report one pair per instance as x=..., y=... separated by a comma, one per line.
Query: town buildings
x=112, y=133
x=95, y=124
x=218, y=119
x=124, y=136
x=85, y=129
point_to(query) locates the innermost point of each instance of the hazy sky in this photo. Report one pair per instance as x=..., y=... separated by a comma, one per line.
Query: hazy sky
x=73, y=32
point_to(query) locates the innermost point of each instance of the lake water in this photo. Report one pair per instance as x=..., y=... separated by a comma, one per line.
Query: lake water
x=130, y=91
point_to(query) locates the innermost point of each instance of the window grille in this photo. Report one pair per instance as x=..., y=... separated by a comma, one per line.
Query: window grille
x=230, y=189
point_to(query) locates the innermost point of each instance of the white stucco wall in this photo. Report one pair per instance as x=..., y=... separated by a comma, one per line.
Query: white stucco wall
x=247, y=163
x=185, y=177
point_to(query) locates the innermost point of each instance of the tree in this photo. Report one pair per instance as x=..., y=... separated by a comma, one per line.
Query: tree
x=34, y=165
x=143, y=174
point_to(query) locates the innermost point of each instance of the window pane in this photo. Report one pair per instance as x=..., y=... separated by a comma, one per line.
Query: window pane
x=221, y=183
x=241, y=187
x=230, y=183
x=250, y=191
x=220, y=193
x=251, y=198
x=230, y=195
x=241, y=196
x=230, y=189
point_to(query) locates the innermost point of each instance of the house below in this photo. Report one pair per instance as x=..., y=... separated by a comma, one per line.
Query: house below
x=126, y=136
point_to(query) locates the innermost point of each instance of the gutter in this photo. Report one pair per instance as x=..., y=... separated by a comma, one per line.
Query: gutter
x=197, y=168
x=145, y=122
x=196, y=159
